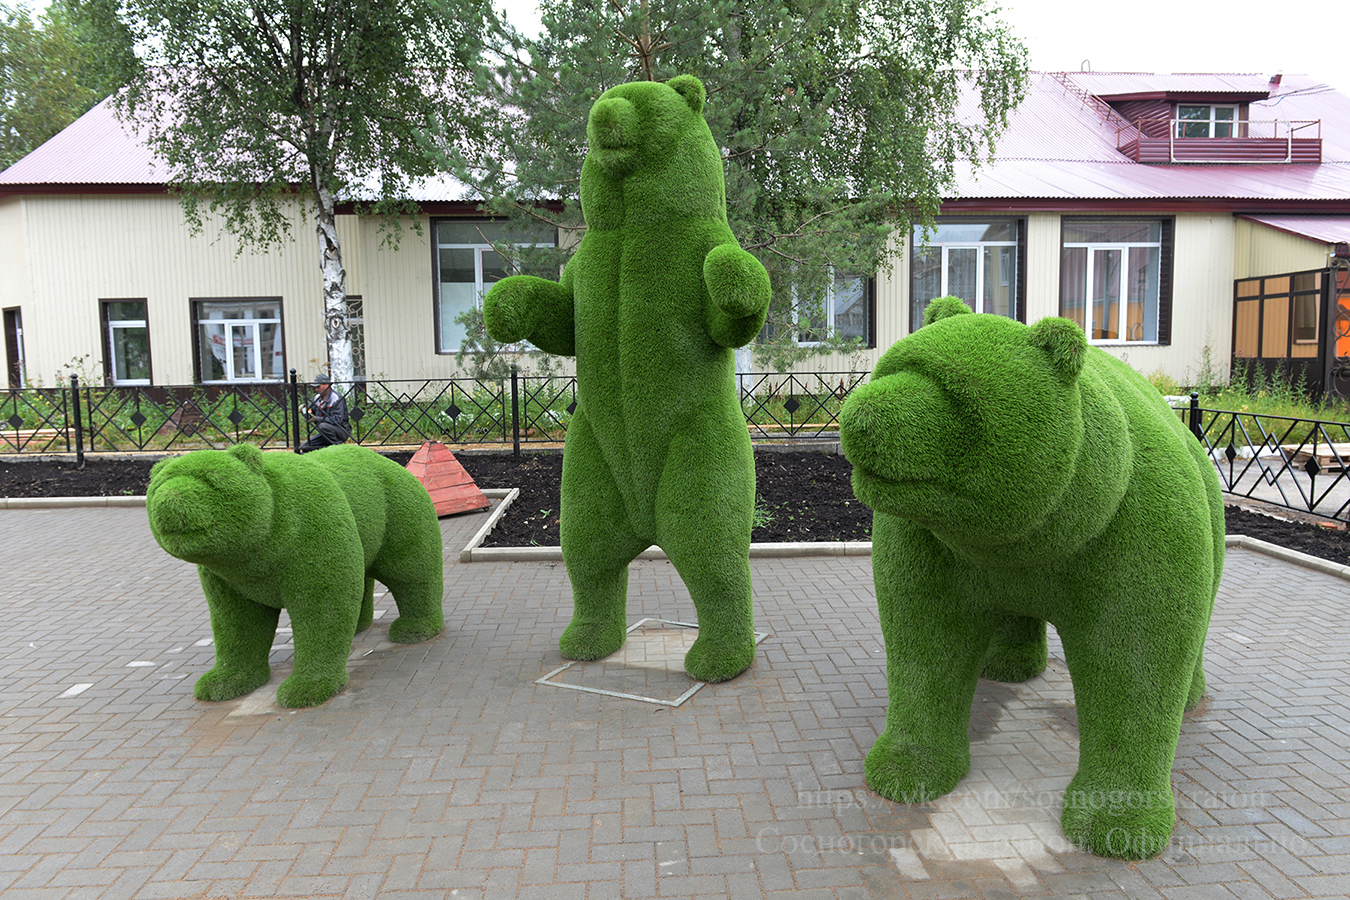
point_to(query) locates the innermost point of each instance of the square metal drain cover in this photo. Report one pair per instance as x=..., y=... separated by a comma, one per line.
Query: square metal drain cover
x=649, y=667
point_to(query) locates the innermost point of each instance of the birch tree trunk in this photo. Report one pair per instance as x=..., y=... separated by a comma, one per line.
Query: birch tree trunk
x=337, y=326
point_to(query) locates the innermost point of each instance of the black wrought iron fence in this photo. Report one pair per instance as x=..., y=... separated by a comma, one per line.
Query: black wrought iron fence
x=182, y=418
x=1301, y=464
x=515, y=411
x=1295, y=463
x=793, y=406
x=455, y=411
x=37, y=420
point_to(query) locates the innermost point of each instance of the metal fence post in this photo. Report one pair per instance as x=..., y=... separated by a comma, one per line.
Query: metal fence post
x=79, y=431
x=1195, y=417
x=515, y=409
x=295, y=414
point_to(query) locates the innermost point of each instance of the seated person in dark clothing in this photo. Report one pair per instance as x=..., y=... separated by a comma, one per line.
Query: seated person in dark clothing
x=327, y=413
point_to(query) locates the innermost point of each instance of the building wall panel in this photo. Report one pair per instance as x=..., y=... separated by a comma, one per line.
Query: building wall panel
x=1260, y=251
x=99, y=247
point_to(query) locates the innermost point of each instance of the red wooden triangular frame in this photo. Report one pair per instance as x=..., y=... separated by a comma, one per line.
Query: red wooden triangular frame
x=451, y=488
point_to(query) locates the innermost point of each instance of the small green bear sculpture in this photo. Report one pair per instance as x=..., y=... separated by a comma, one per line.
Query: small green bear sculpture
x=308, y=534
x=1019, y=476
x=652, y=305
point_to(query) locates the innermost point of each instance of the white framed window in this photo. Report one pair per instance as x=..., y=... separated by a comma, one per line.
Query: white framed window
x=1111, y=280
x=239, y=339
x=467, y=264
x=845, y=312
x=126, y=341
x=976, y=260
x=1206, y=121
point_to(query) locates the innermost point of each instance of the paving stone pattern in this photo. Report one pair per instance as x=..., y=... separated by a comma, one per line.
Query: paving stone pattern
x=445, y=771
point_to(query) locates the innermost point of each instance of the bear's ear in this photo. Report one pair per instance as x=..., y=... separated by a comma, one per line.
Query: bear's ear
x=1064, y=342
x=944, y=308
x=247, y=454
x=691, y=89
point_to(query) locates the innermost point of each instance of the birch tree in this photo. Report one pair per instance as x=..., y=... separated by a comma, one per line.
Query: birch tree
x=254, y=104
x=840, y=121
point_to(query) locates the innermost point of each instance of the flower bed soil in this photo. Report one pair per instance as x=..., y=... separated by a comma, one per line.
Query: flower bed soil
x=805, y=496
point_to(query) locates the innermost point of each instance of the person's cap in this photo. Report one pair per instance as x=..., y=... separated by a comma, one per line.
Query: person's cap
x=322, y=379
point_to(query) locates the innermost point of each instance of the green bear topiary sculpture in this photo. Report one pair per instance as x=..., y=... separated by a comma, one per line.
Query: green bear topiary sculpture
x=1019, y=476
x=652, y=305
x=308, y=534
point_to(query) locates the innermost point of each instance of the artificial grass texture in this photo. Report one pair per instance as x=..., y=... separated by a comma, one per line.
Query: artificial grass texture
x=309, y=534
x=652, y=305
x=1018, y=476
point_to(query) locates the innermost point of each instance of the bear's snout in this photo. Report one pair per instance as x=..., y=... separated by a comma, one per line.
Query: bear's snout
x=179, y=507
x=614, y=124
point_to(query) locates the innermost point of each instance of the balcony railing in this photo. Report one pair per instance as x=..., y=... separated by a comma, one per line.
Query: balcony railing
x=1160, y=139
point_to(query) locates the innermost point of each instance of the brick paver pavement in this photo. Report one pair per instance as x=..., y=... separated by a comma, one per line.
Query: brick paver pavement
x=446, y=771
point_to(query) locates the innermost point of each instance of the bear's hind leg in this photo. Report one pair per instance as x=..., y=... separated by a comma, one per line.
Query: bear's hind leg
x=1018, y=651
x=243, y=633
x=719, y=585
x=367, y=615
x=598, y=543
x=412, y=565
x=704, y=508
x=1197, y=683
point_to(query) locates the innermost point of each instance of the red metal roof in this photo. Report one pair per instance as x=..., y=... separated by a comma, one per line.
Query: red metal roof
x=1327, y=229
x=99, y=152
x=94, y=149
x=1060, y=148
x=1061, y=145
x=1125, y=84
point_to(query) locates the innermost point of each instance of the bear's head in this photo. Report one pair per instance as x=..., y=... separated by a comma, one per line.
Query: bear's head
x=210, y=506
x=971, y=426
x=650, y=156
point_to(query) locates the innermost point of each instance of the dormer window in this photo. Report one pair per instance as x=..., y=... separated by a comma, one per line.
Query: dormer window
x=1197, y=121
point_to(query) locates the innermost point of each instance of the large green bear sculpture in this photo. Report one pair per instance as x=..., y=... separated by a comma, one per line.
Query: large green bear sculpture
x=652, y=305
x=309, y=534
x=1019, y=476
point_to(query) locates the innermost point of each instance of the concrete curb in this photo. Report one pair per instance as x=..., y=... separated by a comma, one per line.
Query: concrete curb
x=1316, y=563
x=794, y=550
x=69, y=502
x=474, y=552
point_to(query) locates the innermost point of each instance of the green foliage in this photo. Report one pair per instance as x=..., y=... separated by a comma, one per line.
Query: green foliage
x=836, y=121
x=763, y=515
x=483, y=358
x=1018, y=475
x=1164, y=383
x=244, y=101
x=1207, y=378
x=277, y=530
x=247, y=101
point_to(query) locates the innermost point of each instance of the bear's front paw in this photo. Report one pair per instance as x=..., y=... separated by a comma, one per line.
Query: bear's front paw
x=713, y=660
x=300, y=691
x=736, y=281
x=914, y=773
x=218, y=685
x=585, y=639
x=1108, y=818
x=505, y=315
x=410, y=630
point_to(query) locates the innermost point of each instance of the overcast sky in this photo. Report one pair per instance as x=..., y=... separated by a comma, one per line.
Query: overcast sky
x=1293, y=36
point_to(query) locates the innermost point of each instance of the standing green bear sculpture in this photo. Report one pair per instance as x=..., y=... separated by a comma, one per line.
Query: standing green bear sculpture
x=308, y=534
x=1017, y=477
x=652, y=305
